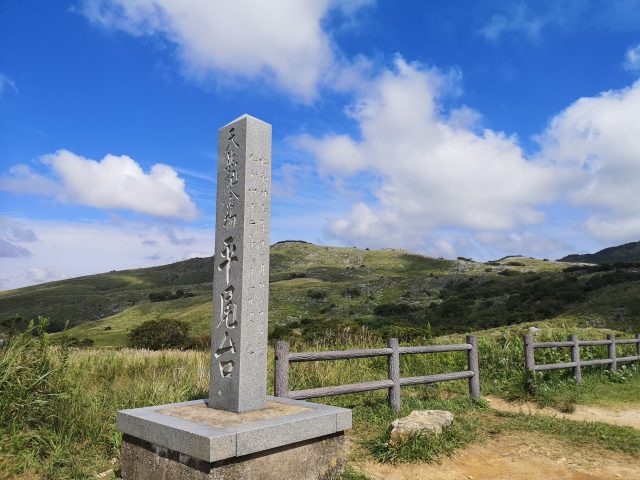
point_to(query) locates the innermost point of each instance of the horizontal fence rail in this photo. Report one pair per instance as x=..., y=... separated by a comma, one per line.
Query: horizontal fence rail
x=392, y=383
x=576, y=363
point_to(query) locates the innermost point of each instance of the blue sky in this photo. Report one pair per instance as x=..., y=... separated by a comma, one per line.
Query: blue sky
x=472, y=128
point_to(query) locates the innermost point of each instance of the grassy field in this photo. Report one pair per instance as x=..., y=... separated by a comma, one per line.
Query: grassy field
x=58, y=405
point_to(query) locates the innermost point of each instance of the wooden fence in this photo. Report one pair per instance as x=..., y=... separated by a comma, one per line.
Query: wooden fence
x=576, y=364
x=392, y=383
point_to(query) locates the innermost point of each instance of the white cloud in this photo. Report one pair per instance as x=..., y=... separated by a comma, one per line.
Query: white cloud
x=632, y=58
x=6, y=82
x=71, y=249
x=599, y=139
x=282, y=40
x=432, y=169
x=115, y=182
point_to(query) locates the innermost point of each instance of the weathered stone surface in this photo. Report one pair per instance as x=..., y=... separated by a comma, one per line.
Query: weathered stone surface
x=420, y=421
x=211, y=435
x=318, y=459
x=241, y=279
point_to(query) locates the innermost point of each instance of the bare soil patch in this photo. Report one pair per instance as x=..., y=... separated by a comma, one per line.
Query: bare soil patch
x=515, y=456
x=625, y=416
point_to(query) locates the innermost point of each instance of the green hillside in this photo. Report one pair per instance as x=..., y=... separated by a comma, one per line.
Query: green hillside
x=315, y=290
x=629, y=252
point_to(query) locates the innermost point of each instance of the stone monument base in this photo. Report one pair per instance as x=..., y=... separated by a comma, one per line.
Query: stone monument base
x=289, y=439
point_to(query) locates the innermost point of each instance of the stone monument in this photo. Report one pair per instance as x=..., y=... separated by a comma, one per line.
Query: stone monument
x=239, y=432
x=241, y=283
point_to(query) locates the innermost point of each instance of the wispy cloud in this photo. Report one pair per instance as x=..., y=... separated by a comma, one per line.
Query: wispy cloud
x=632, y=58
x=517, y=19
x=71, y=249
x=7, y=83
x=8, y=249
x=12, y=233
x=530, y=18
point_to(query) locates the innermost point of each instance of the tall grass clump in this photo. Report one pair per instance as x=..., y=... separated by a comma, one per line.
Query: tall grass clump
x=32, y=387
x=58, y=405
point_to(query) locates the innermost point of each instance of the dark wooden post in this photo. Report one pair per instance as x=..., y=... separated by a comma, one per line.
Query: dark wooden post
x=638, y=345
x=575, y=357
x=472, y=359
x=281, y=374
x=529, y=359
x=394, y=375
x=612, y=352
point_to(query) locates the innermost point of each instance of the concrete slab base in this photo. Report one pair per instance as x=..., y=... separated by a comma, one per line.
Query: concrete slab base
x=289, y=439
x=317, y=459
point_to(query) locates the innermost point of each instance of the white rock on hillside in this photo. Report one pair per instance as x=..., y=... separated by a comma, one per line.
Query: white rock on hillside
x=420, y=421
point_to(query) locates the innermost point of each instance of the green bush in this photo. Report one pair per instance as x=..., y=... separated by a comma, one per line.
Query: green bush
x=351, y=292
x=316, y=294
x=388, y=309
x=161, y=334
x=165, y=295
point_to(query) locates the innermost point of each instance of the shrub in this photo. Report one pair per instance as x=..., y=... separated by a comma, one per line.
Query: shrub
x=509, y=273
x=316, y=294
x=388, y=309
x=161, y=334
x=351, y=292
x=167, y=295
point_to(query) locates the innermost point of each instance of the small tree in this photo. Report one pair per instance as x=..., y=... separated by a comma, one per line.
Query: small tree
x=161, y=334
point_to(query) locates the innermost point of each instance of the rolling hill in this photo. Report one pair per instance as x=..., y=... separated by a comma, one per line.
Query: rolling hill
x=316, y=290
x=629, y=252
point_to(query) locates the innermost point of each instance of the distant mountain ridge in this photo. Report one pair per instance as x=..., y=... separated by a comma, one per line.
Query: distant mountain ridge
x=629, y=252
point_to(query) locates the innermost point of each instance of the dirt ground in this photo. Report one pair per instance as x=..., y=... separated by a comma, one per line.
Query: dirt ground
x=624, y=416
x=515, y=456
x=526, y=456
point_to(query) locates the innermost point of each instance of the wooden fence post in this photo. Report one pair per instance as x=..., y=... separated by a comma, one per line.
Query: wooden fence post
x=529, y=359
x=638, y=345
x=612, y=352
x=394, y=375
x=575, y=357
x=472, y=359
x=281, y=374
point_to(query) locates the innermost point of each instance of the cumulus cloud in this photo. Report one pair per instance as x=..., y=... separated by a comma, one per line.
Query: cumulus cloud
x=116, y=182
x=632, y=58
x=432, y=169
x=599, y=139
x=284, y=40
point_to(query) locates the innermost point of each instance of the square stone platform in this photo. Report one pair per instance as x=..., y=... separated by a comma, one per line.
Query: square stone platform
x=191, y=441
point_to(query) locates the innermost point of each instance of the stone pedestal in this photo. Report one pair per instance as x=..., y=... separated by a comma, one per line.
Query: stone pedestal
x=288, y=439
